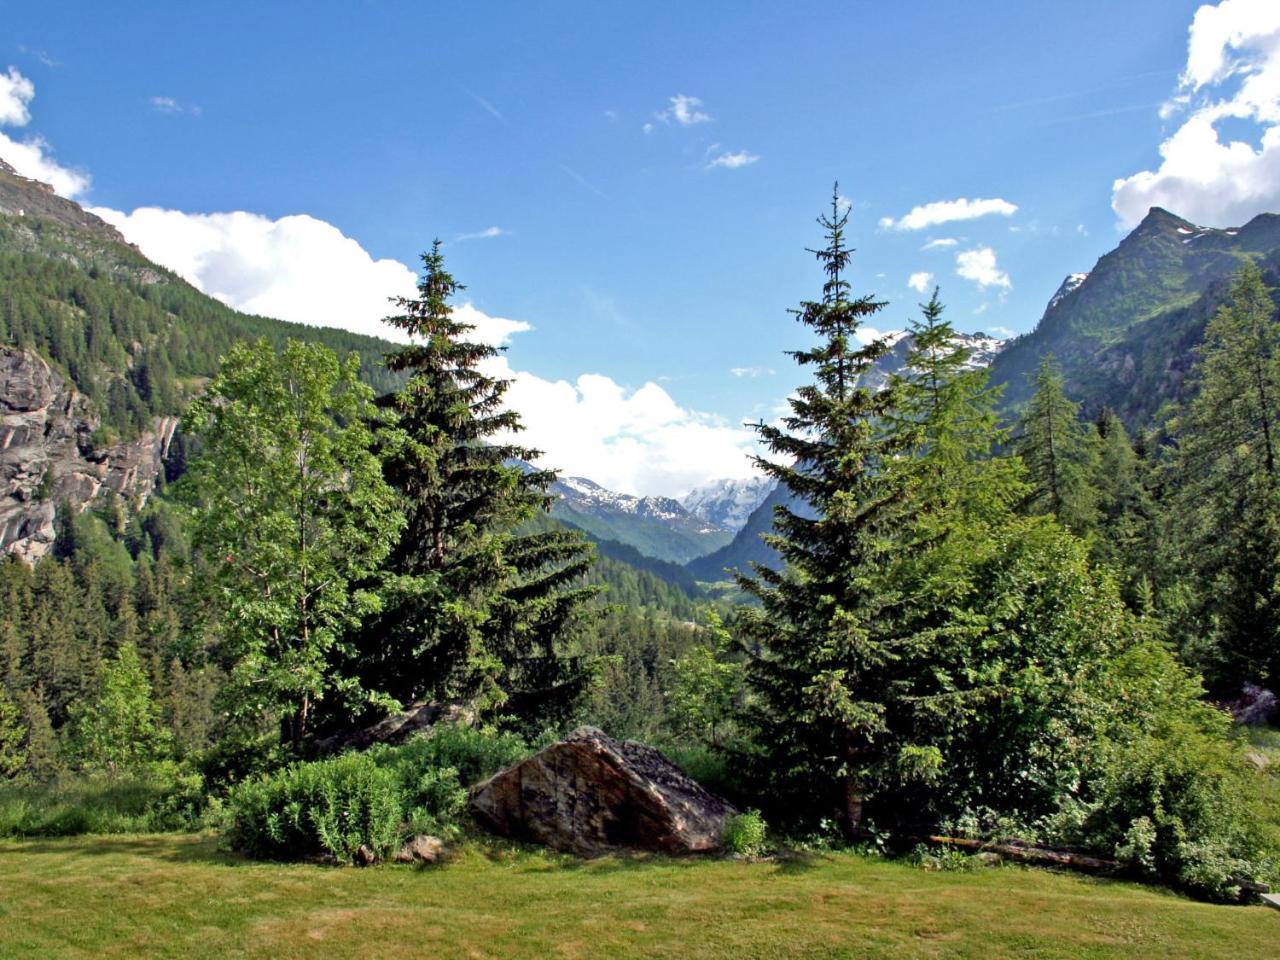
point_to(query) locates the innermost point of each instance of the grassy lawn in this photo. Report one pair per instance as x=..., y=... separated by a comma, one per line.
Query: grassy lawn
x=178, y=896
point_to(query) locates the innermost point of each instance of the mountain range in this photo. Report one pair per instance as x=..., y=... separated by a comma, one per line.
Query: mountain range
x=100, y=350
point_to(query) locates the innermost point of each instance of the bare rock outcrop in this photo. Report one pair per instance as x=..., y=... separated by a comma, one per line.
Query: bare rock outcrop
x=48, y=457
x=397, y=728
x=590, y=793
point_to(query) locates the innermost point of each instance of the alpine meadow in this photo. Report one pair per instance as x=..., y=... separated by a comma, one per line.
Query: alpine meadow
x=489, y=501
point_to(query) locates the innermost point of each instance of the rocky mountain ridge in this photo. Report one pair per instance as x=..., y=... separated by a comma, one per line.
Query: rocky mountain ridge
x=728, y=503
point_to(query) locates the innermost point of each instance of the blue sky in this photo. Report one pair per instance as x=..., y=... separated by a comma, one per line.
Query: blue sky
x=633, y=254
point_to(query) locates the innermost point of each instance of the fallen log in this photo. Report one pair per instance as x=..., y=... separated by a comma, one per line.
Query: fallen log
x=1029, y=853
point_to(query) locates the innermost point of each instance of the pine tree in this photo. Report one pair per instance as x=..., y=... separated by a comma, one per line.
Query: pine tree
x=40, y=745
x=481, y=613
x=12, y=734
x=1226, y=505
x=823, y=653
x=1126, y=532
x=1060, y=454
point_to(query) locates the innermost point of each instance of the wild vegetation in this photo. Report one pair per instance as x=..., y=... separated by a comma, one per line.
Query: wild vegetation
x=984, y=628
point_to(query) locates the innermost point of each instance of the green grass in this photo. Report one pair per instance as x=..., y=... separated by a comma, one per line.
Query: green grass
x=76, y=805
x=178, y=896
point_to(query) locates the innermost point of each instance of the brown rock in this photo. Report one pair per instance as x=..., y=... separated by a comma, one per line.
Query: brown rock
x=397, y=728
x=589, y=793
x=364, y=857
x=421, y=849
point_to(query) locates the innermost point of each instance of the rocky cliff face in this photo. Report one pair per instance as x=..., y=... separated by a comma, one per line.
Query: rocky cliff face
x=48, y=458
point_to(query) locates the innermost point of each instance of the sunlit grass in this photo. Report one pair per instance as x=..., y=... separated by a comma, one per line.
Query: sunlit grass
x=179, y=896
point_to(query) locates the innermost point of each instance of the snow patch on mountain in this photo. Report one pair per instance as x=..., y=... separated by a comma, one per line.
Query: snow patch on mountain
x=728, y=503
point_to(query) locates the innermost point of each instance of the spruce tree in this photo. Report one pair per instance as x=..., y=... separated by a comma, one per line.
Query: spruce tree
x=1226, y=505
x=480, y=612
x=823, y=648
x=1060, y=454
x=12, y=734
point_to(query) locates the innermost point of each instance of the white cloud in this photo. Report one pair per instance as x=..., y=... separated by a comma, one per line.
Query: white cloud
x=32, y=157
x=295, y=268
x=940, y=243
x=752, y=371
x=843, y=204
x=919, y=282
x=685, y=111
x=487, y=233
x=173, y=106
x=948, y=211
x=303, y=269
x=979, y=265
x=1232, y=71
x=634, y=441
x=16, y=92
x=732, y=161
x=1004, y=333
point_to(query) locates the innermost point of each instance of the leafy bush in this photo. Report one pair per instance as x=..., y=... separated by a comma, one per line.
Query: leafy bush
x=1168, y=793
x=473, y=752
x=745, y=834
x=325, y=807
x=435, y=803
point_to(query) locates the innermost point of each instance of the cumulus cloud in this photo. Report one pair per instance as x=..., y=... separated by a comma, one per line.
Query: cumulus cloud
x=948, y=211
x=979, y=265
x=303, y=269
x=919, y=282
x=732, y=161
x=635, y=441
x=32, y=157
x=1232, y=72
x=940, y=243
x=686, y=111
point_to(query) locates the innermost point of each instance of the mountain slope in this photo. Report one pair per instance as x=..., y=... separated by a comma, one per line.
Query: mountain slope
x=1124, y=333
x=100, y=349
x=658, y=527
x=747, y=547
x=982, y=351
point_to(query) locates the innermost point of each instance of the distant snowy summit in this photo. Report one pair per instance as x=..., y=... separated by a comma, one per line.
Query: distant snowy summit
x=589, y=495
x=982, y=351
x=728, y=503
x=1069, y=285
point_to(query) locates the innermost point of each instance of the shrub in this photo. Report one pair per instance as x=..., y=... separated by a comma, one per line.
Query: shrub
x=473, y=752
x=436, y=802
x=328, y=807
x=745, y=834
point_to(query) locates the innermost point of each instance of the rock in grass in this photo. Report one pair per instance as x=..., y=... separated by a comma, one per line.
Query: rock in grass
x=421, y=849
x=364, y=857
x=590, y=793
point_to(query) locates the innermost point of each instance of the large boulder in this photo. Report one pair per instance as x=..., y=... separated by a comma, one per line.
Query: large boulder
x=397, y=728
x=589, y=793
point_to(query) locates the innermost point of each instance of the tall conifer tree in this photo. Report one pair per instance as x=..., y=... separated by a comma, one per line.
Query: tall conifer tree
x=481, y=612
x=823, y=654
x=1060, y=453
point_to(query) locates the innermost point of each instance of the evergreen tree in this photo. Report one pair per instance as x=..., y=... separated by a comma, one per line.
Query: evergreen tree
x=118, y=728
x=1127, y=531
x=1226, y=505
x=1060, y=454
x=480, y=613
x=823, y=652
x=40, y=745
x=292, y=509
x=12, y=734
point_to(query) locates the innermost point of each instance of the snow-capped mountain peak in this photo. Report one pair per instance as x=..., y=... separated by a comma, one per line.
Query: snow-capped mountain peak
x=728, y=503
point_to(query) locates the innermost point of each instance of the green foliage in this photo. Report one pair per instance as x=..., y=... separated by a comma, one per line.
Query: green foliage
x=1225, y=508
x=293, y=515
x=13, y=734
x=328, y=807
x=118, y=728
x=708, y=687
x=477, y=611
x=1060, y=454
x=746, y=834
x=154, y=798
x=472, y=753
